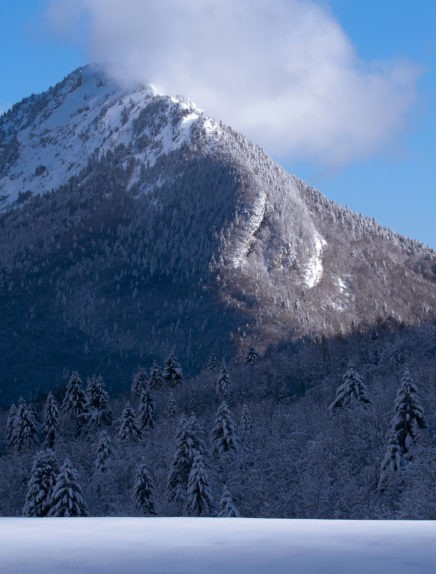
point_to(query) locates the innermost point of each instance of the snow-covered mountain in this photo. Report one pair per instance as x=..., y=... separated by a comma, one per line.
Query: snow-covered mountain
x=132, y=225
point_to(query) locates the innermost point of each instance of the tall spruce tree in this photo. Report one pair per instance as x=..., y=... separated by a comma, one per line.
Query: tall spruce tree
x=222, y=387
x=74, y=404
x=172, y=406
x=224, y=436
x=155, y=376
x=50, y=421
x=67, y=499
x=128, y=430
x=246, y=423
x=227, y=506
x=408, y=414
x=146, y=417
x=143, y=491
x=105, y=454
x=41, y=484
x=212, y=364
x=97, y=402
x=252, y=356
x=139, y=384
x=199, y=496
x=172, y=373
x=392, y=461
x=25, y=433
x=351, y=392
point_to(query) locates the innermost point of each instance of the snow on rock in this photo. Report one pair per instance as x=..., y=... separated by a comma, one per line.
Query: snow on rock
x=313, y=269
x=215, y=545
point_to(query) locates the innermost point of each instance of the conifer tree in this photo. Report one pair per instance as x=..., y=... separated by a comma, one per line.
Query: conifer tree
x=10, y=423
x=139, y=384
x=172, y=373
x=50, y=421
x=67, y=499
x=74, y=404
x=392, y=462
x=172, y=406
x=252, y=356
x=246, y=423
x=97, y=402
x=104, y=455
x=351, y=392
x=224, y=436
x=24, y=427
x=155, y=376
x=408, y=414
x=199, y=496
x=143, y=491
x=212, y=364
x=227, y=506
x=41, y=483
x=222, y=388
x=146, y=411
x=187, y=444
x=128, y=430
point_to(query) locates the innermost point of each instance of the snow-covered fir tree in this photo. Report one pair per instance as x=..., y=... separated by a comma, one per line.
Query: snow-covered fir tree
x=143, y=491
x=155, y=376
x=128, y=430
x=105, y=453
x=67, y=499
x=222, y=387
x=199, y=496
x=50, y=421
x=24, y=427
x=252, y=356
x=227, y=506
x=408, y=416
x=171, y=406
x=187, y=443
x=351, y=392
x=146, y=416
x=224, y=436
x=10, y=422
x=97, y=401
x=41, y=483
x=212, y=364
x=392, y=461
x=172, y=373
x=246, y=422
x=139, y=384
x=74, y=404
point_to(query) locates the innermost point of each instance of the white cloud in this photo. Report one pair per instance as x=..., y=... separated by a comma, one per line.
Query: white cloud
x=283, y=72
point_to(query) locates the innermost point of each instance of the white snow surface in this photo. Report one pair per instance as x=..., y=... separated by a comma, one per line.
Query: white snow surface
x=313, y=269
x=212, y=545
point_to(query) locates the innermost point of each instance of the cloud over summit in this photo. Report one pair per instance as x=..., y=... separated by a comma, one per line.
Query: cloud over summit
x=284, y=72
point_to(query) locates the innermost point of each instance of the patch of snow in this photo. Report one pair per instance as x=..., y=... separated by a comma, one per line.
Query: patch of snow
x=239, y=256
x=215, y=545
x=313, y=268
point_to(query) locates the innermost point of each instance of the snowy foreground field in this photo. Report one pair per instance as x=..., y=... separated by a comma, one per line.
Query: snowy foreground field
x=212, y=545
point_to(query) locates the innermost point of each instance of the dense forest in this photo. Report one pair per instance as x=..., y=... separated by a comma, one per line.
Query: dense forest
x=342, y=428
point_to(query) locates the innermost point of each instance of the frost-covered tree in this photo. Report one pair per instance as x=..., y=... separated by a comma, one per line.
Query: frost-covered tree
x=155, y=376
x=392, y=461
x=252, y=356
x=97, y=401
x=146, y=410
x=105, y=454
x=24, y=427
x=227, y=506
x=172, y=373
x=139, y=384
x=224, y=436
x=50, y=421
x=128, y=430
x=408, y=414
x=188, y=442
x=199, y=496
x=67, y=499
x=246, y=422
x=10, y=422
x=172, y=406
x=41, y=483
x=74, y=404
x=351, y=392
x=143, y=491
x=222, y=387
x=212, y=364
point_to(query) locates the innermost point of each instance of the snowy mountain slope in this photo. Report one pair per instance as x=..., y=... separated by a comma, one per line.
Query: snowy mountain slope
x=190, y=545
x=131, y=225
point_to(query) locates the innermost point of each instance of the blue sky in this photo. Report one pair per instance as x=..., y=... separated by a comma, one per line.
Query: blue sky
x=395, y=182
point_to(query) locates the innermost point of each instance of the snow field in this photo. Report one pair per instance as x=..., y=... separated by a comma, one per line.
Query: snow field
x=212, y=545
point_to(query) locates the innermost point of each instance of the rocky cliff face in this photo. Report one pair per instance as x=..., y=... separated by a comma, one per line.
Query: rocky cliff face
x=131, y=225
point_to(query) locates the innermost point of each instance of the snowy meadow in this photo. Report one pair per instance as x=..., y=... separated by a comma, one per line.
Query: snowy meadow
x=231, y=545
